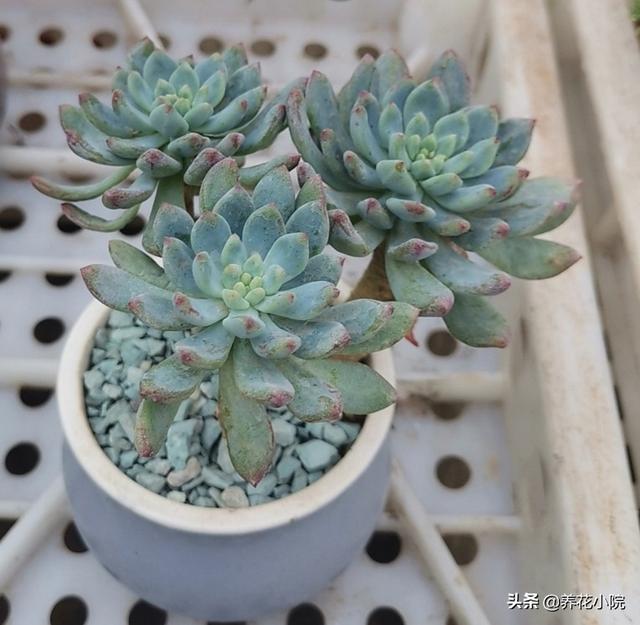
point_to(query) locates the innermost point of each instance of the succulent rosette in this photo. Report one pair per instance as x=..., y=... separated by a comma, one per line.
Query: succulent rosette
x=424, y=178
x=251, y=284
x=164, y=114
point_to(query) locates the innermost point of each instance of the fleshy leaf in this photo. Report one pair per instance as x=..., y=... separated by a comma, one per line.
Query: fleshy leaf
x=157, y=311
x=344, y=237
x=77, y=193
x=259, y=378
x=539, y=205
x=210, y=233
x=125, y=197
x=208, y=349
x=514, y=135
x=245, y=324
x=474, y=321
x=467, y=199
x=178, y=260
x=529, y=258
x=93, y=222
x=318, y=337
x=428, y=98
x=323, y=267
x=273, y=341
x=362, y=318
x=246, y=428
x=169, y=381
x=302, y=302
x=103, y=117
x=451, y=71
x=262, y=131
x=201, y=164
x=395, y=176
x=412, y=283
x=276, y=187
x=114, y=287
x=198, y=312
x=291, y=252
x=85, y=140
x=221, y=178
x=235, y=206
x=152, y=424
x=157, y=164
x=169, y=220
x=136, y=262
x=313, y=220
x=452, y=267
x=250, y=176
x=398, y=325
x=363, y=390
x=262, y=228
x=315, y=399
x=134, y=147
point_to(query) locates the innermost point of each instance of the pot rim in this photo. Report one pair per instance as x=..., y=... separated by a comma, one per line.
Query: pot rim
x=185, y=517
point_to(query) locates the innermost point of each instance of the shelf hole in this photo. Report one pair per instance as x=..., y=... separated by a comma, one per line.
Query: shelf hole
x=451, y=621
x=143, y=613
x=59, y=279
x=4, y=275
x=5, y=526
x=165, y=40
x=48, y=330
x=385, y=616
x=78, y=178
x=22, y=458
x=453, y=472
x=448, y=410
x=72, y=539
x=384, y=546
x=441, y=343
x=210, y=45
x=365, y=49
x=34, y=396
x=104, y=39
x=134, y=227
x=69, y=611
x=315, y=50
x=32, y=121
x=463, y=547
x=11, y=217
x=66, y=226
x=263, y=47
x=305, y=614
x=5, y=609
x=51, y=36
x=5, y=32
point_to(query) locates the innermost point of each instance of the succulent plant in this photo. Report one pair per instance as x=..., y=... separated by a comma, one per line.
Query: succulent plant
x=169, y=122
x=251, y=284
x=422, y=177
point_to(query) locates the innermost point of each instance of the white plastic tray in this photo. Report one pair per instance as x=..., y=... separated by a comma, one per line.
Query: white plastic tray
x=481, y=520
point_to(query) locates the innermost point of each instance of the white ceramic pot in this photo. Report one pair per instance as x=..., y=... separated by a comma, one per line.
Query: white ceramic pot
x=209, y=563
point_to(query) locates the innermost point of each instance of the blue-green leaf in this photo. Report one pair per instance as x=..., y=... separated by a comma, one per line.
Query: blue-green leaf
x=474, y=321
x=169, y=381
x=529, y=258
x=259, y=378
x=246, y=428
x=208, y=349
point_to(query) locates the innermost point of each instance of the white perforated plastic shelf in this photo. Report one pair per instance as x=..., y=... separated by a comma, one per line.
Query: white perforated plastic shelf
x=455, y=455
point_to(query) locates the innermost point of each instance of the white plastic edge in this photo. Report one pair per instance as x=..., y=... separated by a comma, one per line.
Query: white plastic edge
x=158, y=509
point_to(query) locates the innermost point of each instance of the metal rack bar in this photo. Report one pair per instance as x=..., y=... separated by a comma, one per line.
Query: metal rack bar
x=434, y=552
x=35, y=525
